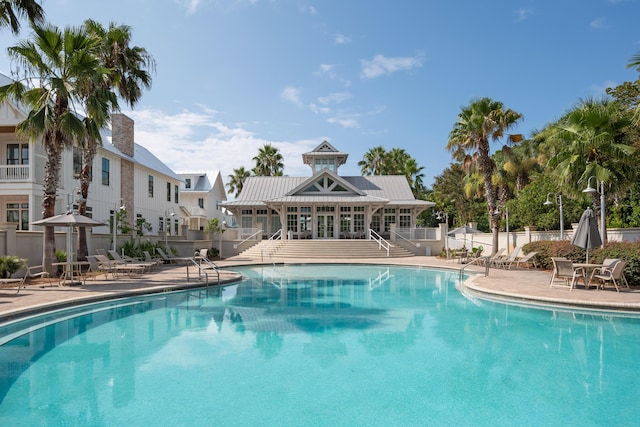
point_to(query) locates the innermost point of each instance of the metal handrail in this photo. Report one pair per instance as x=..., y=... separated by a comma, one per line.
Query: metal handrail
x=381, y=242
x=474, y=261
x=203, y=270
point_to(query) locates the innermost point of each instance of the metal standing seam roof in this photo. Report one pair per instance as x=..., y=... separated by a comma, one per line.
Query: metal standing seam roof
x=141, y=156
x=391, y=189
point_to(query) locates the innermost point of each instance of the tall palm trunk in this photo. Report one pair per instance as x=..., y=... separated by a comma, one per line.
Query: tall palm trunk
x=51, y=178
x=88, y=154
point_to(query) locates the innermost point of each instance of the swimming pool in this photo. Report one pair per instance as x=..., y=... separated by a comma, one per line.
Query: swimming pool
x=320, y=345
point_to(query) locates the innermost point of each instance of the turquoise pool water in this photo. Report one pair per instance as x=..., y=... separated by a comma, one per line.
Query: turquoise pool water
x=320, y=346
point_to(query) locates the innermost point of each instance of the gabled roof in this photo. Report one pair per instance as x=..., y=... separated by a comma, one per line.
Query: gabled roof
x=324, y=150
x=386, y=189
x=323, y=182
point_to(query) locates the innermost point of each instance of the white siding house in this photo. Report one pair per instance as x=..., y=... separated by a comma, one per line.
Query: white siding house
x=124, y=174
x=200, y=198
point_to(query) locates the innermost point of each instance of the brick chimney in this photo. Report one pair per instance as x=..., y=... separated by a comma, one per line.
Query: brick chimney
x=122, y=133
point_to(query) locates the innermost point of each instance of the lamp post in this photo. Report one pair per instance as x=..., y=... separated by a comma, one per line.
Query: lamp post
x=591, y=190
x=224, y=225
x=557, y=199
x=439, y=216
x=506, y=218
x=167, y=212
x=115, y=220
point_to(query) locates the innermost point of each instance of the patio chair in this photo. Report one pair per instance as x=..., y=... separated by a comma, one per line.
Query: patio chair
x=564, y=271
x=612, y=274
x=527, y=260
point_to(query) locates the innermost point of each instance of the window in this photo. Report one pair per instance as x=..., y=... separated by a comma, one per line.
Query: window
x=77, y=161
x=325, y=163
x=168, y=191
x=176, y=192
x=150, y=185
x=160, y=225
x=201, y=203
x=292, y=222
x=187, y=183
x=18, y=213
x=105, y=171
x=17, y=154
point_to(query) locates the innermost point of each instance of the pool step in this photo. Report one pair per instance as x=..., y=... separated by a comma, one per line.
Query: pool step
x=337, y=249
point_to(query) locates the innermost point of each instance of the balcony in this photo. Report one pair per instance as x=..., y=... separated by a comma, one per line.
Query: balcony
x=14, y=172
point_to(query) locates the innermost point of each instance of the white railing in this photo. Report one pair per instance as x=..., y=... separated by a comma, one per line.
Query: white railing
x=418, y=233
x=254, y=236
x=277, y=235
x=382, y=244
x=14, y=172
x=266, y=247
x=405, y=239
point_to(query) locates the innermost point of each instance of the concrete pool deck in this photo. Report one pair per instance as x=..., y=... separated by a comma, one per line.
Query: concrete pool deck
x=520, y=285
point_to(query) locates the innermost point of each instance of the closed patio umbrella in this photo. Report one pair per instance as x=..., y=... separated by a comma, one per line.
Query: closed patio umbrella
x=587, y=235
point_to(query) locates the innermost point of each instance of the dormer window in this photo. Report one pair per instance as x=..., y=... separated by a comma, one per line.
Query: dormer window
x=325, y=164
x=187, y=183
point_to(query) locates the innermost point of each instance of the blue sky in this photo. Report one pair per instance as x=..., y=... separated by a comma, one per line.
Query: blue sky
x=235, y=74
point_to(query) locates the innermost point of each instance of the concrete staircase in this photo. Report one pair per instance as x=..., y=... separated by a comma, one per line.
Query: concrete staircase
x=340, y=249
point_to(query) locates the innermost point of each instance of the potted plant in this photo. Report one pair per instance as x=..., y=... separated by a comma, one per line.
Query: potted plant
x=9, y=265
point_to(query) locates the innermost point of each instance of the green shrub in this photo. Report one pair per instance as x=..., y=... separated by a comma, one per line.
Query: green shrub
x=9, y=265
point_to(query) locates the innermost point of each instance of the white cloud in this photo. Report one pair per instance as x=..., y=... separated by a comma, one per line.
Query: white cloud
x=523, y=14
x=334, y=98
x=598, y=24
x=195, y=141
x=319, y=110
x=291, y=94
x=190, y=5
x=381, y=65
x=345, y=122
x=341, y=39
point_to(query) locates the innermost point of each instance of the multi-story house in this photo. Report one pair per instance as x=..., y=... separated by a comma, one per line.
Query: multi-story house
x=125, y=174
x=200, y=197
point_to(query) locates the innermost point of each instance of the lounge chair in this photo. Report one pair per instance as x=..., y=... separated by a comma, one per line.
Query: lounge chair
x=612, y=274
x=120, y=267
x=527, y=260
x=149, y=258
x=506, y=261
x=116, y=257
x=491, y=260
x=166, y=258
x=564, y=270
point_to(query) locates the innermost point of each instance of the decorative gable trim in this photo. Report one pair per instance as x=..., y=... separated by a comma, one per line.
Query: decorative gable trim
x=325, y=183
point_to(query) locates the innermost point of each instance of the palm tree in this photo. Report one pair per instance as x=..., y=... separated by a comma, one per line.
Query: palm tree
x=373, y=161
x=129, y=72
x=634, y=62
x=482, y=122
x=593, y=143
x=59, y=65
x=236, y=180
x=268, y=161
x=11, y=11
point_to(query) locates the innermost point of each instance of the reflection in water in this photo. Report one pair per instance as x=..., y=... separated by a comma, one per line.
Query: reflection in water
x=345, y=330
